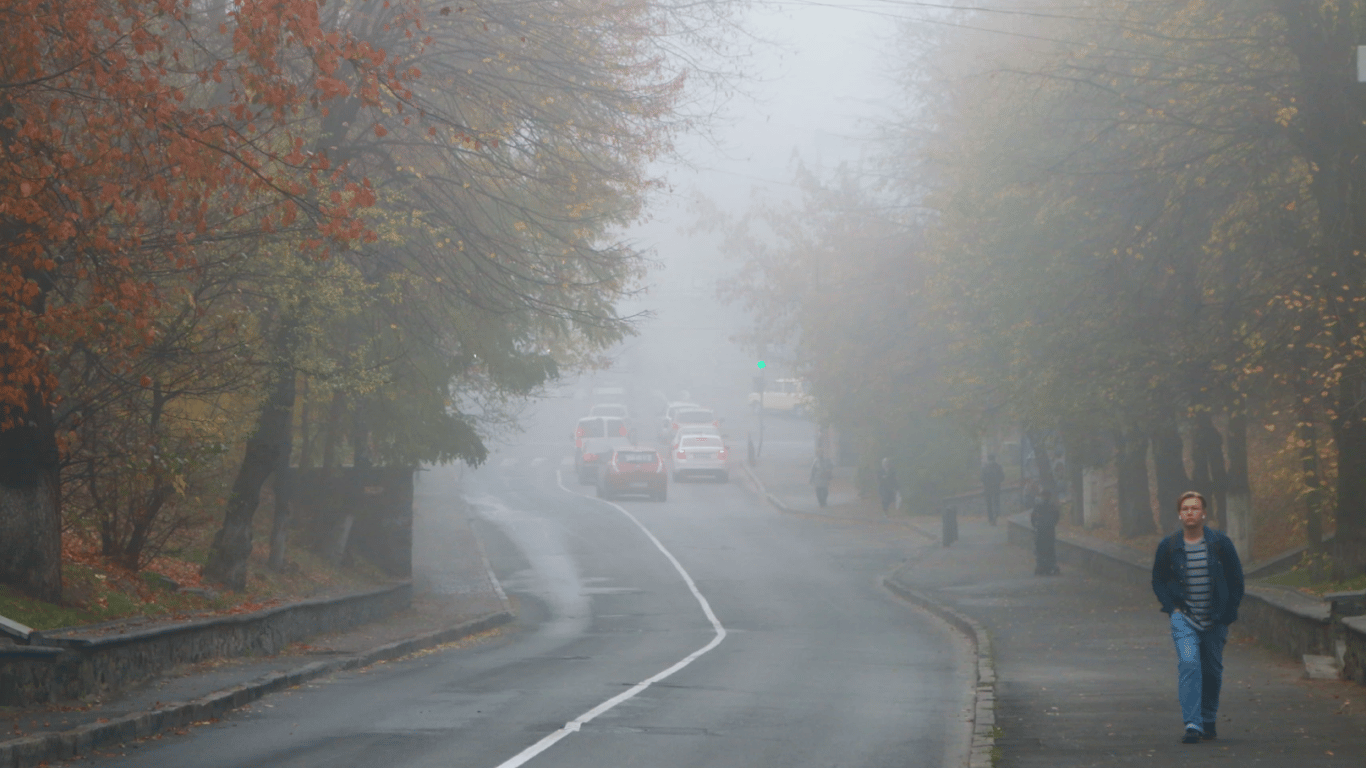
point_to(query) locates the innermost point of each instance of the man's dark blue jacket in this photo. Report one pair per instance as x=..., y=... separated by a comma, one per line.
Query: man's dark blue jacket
x=1225, y=571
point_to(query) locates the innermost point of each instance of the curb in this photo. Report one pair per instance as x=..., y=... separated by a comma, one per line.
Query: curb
x=984, y=693
x=44, y=748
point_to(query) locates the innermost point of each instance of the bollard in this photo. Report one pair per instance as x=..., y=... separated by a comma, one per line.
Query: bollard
x=950, y=526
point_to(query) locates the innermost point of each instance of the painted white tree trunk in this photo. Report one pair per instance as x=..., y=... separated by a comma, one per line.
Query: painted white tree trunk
x=1091, y=490
x=1238, y=521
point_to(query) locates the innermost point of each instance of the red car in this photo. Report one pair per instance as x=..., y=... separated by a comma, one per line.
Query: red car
x=633, y=469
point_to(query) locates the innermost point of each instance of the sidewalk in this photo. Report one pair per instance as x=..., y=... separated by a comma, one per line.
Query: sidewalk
x=455, y=598
x=1084, y=669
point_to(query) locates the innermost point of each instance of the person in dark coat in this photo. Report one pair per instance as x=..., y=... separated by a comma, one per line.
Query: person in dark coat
x=886, y=484
x=992, y=477
x=821, y=473
x=1044, y=518
x=1198, y=579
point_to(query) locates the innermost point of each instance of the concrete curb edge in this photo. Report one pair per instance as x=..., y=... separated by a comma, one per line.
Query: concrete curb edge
x=984, y=693
x=42, y=748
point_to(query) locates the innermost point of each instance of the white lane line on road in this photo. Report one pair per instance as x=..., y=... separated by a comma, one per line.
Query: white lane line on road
x=574, y=725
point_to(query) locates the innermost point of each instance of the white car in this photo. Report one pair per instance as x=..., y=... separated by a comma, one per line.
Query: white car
x=700, y=454
x=614, y=410
x=693, y=429
x=690, y=417
x=666, y=421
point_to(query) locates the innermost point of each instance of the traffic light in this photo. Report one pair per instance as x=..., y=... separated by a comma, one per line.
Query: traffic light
x=762, y=365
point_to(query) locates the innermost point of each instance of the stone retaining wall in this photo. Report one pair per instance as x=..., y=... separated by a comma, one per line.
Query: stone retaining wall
x=64, y=665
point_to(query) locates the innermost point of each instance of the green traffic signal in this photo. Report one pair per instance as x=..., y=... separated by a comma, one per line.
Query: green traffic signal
x=762, y=364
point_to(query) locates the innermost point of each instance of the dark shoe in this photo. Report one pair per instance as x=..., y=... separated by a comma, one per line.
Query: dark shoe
x=1210, y=733
x=1192, y=736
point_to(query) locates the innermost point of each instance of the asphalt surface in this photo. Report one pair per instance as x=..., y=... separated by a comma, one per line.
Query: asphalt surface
x=709, y=630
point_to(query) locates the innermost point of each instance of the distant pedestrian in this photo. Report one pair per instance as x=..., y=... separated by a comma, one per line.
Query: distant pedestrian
x=821, y=472
x=992, y=477
x=886, y=484
x=1044, y=517
x=1198, y=579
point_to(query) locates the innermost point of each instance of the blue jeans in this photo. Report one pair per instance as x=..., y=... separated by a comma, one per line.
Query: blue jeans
x=1199, y=669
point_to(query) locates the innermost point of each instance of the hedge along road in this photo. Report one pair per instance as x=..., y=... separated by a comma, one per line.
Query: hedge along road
x=708, y=630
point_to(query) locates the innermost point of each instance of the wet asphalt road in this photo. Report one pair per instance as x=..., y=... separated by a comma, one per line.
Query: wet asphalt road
x=709, y=630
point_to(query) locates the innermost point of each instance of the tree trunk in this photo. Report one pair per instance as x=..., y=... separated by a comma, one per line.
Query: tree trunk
x=1169, y=465
x=306, y=432
x=1042, y=464
x=1080, y=450
x=1211, y=475
x=1348, y=548
x=1135, y=499
x=284, y=510
x=1238, y=509
x=360, y=437
x=31, y=503
x=332, y=430
x=231, y=549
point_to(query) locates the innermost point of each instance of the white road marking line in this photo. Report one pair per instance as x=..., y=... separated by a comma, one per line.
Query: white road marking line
x=574, y=725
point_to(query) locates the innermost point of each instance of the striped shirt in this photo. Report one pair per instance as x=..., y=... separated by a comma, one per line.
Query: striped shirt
x=1198, y=591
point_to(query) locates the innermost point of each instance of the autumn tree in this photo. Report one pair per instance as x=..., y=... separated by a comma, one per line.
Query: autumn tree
x=131, y=134
x=502, y=171
x=1089, y=177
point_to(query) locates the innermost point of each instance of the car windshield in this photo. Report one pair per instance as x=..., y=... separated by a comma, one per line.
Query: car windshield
x=592, y=427
x=697, y=429
x=637, y=457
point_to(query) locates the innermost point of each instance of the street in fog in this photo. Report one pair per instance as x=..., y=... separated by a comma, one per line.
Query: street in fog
x=818, y=664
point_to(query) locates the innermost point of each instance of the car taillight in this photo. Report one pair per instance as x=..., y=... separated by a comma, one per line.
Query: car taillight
x=622, y=430
x=681, y=454
x=578, y=432
x=721, y=454
x=675, y=427
x=587, y=457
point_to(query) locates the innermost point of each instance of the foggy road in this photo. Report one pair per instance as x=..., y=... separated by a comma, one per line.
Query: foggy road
x=808, y=661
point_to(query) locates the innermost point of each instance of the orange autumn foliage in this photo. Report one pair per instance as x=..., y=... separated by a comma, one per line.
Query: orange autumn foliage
x=134, y=131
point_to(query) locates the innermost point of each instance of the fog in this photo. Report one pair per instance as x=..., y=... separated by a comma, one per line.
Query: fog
x=812, y=91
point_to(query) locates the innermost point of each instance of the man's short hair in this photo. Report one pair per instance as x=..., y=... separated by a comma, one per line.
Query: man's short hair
x=1204, y=504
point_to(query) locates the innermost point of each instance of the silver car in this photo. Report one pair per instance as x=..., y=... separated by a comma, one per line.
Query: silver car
x=700, y=454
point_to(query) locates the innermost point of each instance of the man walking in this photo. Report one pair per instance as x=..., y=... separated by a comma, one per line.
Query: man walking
x=992, y=477
x=1198, y=579
x=821, y=473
